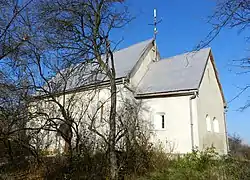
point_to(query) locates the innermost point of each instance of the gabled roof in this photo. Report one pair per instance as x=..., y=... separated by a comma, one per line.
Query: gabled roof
x=87, y=73
x=125, y=59
x=178, y=73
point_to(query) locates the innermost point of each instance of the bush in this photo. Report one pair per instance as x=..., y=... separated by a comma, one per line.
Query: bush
x=203, y=166
x=140, y=164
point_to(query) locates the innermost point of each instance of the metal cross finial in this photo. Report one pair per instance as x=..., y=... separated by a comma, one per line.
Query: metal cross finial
x=155, y=24
x=155, y=32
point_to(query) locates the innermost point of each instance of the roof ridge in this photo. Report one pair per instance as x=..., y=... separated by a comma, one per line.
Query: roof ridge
x=186, y=53
x=132, y=45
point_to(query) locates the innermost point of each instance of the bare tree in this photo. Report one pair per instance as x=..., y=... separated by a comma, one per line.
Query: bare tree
x=14, y=28
x=238, y=148
x=13, y=31
x=232, y=14
x=66, y=60
x=228, y=14
x=80, y=30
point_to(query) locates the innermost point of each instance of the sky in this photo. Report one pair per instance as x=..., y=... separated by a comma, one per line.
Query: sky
x=183, y=26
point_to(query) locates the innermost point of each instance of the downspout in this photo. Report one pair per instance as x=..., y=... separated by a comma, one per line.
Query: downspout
x=225, y=126
x=191, y=119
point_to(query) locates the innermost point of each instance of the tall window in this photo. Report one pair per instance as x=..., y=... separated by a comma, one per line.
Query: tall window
x=159, y=121
x=208, y=123
x=216, y=125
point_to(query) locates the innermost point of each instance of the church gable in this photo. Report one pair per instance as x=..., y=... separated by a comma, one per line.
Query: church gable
x=210, y=110
x=210, y=78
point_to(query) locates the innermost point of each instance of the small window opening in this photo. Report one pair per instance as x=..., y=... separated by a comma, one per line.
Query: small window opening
x=159, y=121
x=216, y=125
x=208, y=123
x=162, y=122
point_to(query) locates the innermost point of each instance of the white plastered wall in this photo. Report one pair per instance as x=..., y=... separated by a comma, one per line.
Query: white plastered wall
x=210, y=102
x=84, y=109
x=176, y=137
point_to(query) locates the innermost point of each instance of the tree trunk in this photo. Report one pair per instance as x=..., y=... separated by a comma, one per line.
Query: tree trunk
x=113, y=158
x=112, y=138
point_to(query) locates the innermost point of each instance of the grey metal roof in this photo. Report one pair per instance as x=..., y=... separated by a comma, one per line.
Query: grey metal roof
x=86, y=73
x=181, y=72
x=125, y=59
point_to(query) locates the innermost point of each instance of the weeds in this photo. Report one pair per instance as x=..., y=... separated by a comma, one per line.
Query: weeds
x=152, y=164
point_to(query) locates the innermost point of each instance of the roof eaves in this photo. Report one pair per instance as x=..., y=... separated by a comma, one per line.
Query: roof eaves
x=87, y=87
x=167, y=93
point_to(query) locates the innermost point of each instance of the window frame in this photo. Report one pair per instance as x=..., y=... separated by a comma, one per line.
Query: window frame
x=208, y=123
x=217, y=128
x=160, y=126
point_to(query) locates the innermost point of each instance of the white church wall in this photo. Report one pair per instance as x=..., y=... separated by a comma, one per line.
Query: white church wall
x=176, y=135
x=210, y=105
x=86, y=111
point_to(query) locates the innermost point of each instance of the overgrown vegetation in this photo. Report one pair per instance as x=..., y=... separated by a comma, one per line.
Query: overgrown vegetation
x=141, y=163
x=144, y=164
x=207, y=165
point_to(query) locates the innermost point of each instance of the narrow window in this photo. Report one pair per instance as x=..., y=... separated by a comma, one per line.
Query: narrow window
x=159, y=121
x=208, y=123
x=216, y=125
x=162, y=122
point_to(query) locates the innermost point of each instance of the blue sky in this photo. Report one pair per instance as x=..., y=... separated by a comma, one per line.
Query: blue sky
x=184, y=24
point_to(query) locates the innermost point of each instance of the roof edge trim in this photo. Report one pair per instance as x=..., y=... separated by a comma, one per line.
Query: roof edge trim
x=138, y=62
x=168, y=93
x=210, y=56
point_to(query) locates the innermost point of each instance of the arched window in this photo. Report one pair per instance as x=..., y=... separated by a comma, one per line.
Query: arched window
x=208, y=123
x=216, y=125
